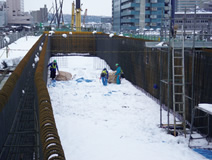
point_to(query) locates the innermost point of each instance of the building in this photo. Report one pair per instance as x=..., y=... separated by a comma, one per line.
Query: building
x=116, y=15
x=40, y=16
x=156, y=12
x=106, y=20
x=15, y=13
x=134, y=15
x=188, y=5
x=201, y=22
x=3, y=17
x=207, y=6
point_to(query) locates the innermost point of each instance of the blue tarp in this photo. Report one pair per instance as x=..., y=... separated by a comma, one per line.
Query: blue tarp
x=205, y=152
x=79, y=80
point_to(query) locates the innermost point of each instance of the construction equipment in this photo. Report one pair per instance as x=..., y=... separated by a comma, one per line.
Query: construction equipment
x=78, y=15
x=57, y=13
x=85, y=14
x=200, y=113
x=72, y=16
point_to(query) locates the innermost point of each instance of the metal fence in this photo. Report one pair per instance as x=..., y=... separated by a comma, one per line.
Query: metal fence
x=12, y=37
x=18, y=116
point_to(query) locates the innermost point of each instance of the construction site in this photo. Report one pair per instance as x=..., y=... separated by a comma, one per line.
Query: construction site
x=170, y=68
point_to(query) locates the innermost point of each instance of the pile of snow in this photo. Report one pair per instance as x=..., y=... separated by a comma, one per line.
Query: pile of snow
x=51, y=32
x=64, y=35
x=162, y=44
x=40, y=48
x=6, y=39
x=36, y=59
x=205, y=106
x=115, y=122
x=111, y=35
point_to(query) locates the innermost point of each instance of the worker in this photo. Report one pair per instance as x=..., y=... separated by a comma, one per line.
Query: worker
x=104, y=76
x=118, y=74
x=53, y=67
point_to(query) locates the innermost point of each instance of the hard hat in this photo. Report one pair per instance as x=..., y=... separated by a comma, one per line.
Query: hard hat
x=117, y=64
x=55, y=61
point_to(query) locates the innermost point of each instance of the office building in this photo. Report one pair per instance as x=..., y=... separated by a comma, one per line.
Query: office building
x=15, y=13
x=187, y=5
x=40, y=16
x=202, y=21
x=3, y=17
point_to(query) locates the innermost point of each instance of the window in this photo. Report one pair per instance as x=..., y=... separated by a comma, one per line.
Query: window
x=154, y=8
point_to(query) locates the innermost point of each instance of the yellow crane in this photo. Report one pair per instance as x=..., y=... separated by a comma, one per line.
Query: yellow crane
x=72, y=17
x=78, y=15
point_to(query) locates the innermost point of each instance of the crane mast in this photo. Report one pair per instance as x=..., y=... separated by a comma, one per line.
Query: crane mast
x=72, y=17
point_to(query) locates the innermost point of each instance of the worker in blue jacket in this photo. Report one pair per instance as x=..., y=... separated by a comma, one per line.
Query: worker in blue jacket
x=104, y=76
x=118, y=74
x=53, y=68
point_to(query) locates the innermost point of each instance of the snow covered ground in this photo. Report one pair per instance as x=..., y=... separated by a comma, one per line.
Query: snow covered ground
x=116, y=122
x=17, y=50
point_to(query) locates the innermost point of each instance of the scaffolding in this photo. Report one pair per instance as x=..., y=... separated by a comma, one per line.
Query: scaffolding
x=175, y=82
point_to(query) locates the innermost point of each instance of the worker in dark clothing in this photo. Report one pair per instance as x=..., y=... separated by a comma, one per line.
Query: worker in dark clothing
x=104, y=76
x=53, y=68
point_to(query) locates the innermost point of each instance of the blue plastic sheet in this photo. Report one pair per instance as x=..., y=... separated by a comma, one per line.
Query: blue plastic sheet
x=205, y=152
x=109, y=93
x=80, y=80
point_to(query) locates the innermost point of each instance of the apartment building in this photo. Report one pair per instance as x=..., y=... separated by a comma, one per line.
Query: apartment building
x=134, y=15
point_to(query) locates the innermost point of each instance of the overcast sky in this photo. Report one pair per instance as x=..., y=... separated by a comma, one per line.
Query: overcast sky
x=95, y=7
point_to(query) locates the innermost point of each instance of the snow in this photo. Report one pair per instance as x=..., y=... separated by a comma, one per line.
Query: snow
x=36, y=59
x=64, y=35
x=111, y=35
x=40, y=48
x=51, y=32
x=17, y=50
x=113, y=122
x=7, y=39
x=206, y=107
x=94, y=32
x=162, y=44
